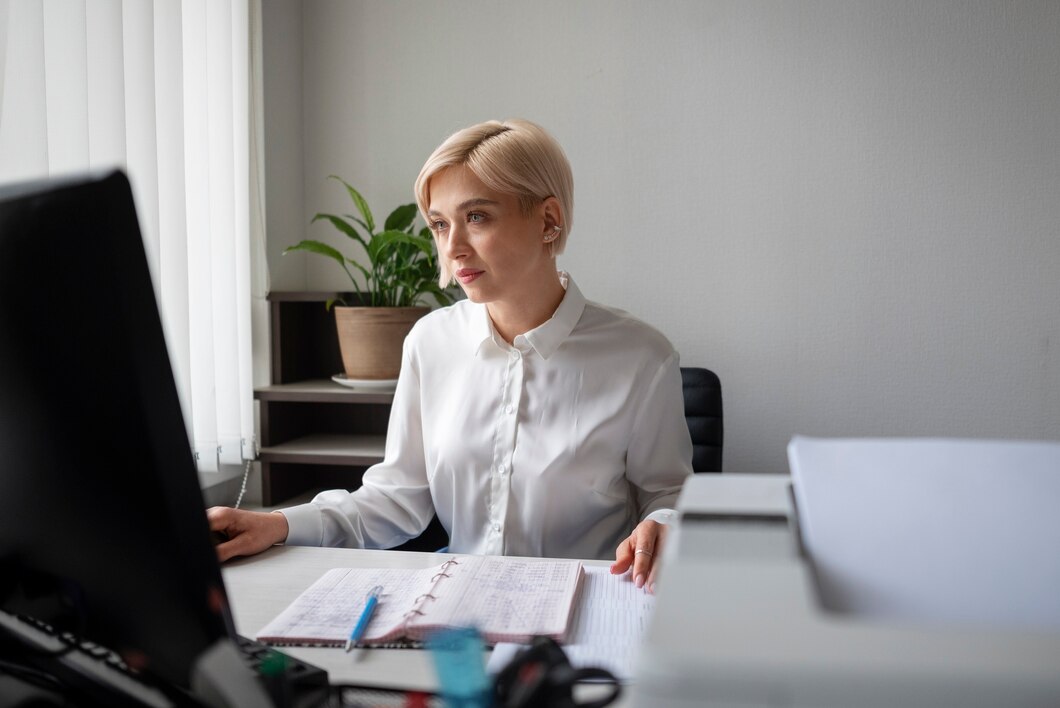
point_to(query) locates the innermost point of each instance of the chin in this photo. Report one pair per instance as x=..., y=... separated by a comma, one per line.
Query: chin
x=472, y=292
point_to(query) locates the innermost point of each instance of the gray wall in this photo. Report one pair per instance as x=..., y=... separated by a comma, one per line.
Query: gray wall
x=849, y=210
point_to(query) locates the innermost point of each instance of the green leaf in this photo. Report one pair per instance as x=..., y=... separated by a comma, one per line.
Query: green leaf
x=401, y=218
x=364, y=271
x=317, y=247
x=359, y=201
x=343, y=226
x=386, y=240
x=324, y=250
x=361, y=222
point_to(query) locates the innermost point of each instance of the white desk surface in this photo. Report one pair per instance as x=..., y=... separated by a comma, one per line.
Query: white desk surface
x=261, y=586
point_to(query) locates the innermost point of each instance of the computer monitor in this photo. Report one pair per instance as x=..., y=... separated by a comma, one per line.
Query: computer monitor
x=102, y=522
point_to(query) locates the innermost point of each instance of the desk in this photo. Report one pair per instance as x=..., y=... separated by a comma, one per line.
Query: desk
x=260, y=587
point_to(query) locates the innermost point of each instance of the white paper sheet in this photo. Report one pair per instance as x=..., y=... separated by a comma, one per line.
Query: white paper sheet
x=607, y=628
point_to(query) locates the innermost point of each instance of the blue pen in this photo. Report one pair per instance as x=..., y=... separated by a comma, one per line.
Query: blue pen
x=366, y=616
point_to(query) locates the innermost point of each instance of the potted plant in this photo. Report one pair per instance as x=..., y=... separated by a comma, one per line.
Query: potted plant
x=400, y=273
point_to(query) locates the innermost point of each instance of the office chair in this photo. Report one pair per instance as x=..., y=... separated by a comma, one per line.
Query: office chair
x=703, y=412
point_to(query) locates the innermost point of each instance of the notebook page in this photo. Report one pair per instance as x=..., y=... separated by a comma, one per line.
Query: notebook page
x=607, y=629
x=325, y=613
x=609, y=623
x=507, y=599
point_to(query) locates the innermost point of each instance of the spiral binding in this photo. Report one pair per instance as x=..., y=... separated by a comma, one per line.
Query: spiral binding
x=427, y=595
x=445, y=566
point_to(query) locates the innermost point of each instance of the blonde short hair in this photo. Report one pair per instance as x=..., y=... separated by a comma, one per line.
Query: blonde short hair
x=514, y=157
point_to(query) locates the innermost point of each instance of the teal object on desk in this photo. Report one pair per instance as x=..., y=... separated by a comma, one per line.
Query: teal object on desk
x=458, y=659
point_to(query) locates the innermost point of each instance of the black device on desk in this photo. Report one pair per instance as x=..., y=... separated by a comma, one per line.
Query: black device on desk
x=109, y=583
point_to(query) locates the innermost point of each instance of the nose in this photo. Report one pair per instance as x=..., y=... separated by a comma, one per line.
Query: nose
x=454, y=244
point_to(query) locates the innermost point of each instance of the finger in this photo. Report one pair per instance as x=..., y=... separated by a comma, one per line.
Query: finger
x=644, y=555
x=642, y=566
x=224, y=551
x=623, y=556
x=219, y=517
x=660, y=542
x=226, y=525
x=243, y=543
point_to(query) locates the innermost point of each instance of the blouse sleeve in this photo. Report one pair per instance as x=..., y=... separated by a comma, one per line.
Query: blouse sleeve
x=393, y=503
x=659, y=457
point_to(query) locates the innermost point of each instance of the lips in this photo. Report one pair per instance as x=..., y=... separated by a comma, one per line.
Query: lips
x=466, y=275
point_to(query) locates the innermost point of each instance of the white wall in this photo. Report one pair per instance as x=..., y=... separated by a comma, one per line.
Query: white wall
x=849, y=210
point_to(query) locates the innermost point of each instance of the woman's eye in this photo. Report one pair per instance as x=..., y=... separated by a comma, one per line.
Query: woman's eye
x=437, y=226
x=476, y=218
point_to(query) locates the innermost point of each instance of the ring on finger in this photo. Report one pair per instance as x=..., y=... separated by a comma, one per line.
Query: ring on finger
x=643, y=550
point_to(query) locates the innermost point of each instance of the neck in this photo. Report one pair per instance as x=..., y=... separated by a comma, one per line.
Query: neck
x=514, y=317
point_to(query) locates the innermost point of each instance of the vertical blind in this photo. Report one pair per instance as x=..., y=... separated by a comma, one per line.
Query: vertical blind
x=169, y=91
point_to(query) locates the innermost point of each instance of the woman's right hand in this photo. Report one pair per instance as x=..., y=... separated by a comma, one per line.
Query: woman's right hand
x=247, y=532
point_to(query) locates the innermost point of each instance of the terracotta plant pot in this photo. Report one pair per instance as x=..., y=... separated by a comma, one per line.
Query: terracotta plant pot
x=370, y=339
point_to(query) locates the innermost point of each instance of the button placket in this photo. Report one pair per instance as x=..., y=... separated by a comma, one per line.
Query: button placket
x=504, y=449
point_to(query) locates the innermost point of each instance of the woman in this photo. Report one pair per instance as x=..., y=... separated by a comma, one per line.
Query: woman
x=532, y=421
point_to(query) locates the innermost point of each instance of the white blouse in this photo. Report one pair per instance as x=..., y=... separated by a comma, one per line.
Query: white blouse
x=557, y=446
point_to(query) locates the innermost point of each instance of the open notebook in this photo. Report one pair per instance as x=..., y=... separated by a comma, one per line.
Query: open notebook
x=506, y=599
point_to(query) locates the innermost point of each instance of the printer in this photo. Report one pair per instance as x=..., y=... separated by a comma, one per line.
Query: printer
x=880, y=572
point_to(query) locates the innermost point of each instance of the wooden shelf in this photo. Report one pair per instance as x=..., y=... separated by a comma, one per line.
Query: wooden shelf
x=328, y=449
x=315, y=433
x=318, y=391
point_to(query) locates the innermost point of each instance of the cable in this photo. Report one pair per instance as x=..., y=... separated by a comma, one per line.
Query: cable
x=243, y=487
x=31, y=675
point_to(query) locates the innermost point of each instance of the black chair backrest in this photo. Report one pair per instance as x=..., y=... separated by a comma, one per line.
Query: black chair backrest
x=702, y=390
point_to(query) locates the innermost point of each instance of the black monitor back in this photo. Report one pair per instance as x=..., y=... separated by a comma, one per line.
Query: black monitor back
x=102, y=523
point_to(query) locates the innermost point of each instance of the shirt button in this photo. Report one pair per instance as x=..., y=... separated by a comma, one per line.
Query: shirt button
x=509, y=410
x=515, y=354
x=501, y=469
x=497, y=528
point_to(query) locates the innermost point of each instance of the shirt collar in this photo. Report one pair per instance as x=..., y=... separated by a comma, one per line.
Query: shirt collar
x=546, y=337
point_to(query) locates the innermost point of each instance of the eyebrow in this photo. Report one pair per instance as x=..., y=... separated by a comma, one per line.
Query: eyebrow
x=478, y=201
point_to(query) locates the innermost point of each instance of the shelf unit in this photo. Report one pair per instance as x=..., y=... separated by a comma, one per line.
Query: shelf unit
x=315, y=433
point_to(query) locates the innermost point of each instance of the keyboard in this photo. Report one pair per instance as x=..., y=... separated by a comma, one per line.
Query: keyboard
x=289, y=681
x=92, y=675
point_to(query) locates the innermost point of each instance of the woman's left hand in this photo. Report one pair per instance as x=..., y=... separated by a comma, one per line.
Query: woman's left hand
x=642, y=551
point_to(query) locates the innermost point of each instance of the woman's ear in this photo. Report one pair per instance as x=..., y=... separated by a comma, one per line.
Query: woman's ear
x=552, y=214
